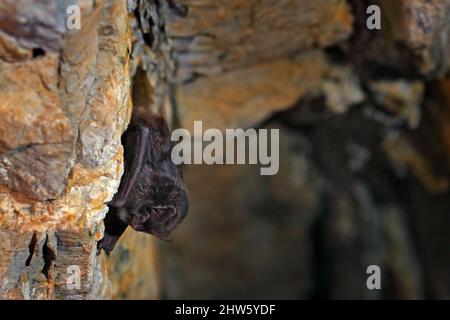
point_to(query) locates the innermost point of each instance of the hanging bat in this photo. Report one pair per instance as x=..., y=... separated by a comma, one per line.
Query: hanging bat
x=152, y=196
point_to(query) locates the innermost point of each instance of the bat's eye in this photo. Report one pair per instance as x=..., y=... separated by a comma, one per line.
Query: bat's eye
x=145, y=212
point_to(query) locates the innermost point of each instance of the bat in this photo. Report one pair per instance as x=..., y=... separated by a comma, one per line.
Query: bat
x=152, y=196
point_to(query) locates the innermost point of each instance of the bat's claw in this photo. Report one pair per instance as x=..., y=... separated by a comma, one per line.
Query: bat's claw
x=107, y=244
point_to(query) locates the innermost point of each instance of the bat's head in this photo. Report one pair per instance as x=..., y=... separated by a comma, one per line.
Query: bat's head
x=158, y=204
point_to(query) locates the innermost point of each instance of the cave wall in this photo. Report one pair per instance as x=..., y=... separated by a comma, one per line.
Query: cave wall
x=364, y=147
x=65, y=102
x=364, y=174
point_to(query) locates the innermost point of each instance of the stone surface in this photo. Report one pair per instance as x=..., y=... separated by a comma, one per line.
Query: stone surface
x=63, y=113
x=371, y=121
x=30, y=28
x=364, y=148
x=223, y=62
x=423, y=26
x=404, y=156
x=428, y=34
x=245, y=33
x=95, y=82
x=402, y=98
x=134, y=267
x=241, y=98
x=35, y=134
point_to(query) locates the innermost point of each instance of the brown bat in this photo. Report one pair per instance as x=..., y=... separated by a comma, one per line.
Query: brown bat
x=152, y=196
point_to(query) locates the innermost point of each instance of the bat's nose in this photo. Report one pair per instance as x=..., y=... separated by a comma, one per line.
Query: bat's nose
x=137, y=225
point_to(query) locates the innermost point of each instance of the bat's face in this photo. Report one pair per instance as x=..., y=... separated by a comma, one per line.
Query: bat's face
x=156, y=205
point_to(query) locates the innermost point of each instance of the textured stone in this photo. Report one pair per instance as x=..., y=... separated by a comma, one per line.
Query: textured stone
x=425, y=29
x=95, y=82
x=428, y=32
x=364, y=150
x=247, y=96
x=62, y=117
x=404, y=156
x=134, y=267
x=243, y=97
x=245, y=33
x=35, y=134
x=241, y=64
x=30, y=28
x=402, y=98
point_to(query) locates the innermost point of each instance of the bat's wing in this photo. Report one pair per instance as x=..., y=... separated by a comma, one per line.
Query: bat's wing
x=135, y=142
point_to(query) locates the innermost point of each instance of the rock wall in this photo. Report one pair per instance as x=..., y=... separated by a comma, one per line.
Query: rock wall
x=364, y=146
x=364, y=174
x=65, y=102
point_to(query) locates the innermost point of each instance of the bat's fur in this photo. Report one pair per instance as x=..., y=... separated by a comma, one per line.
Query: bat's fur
x=152, y=196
